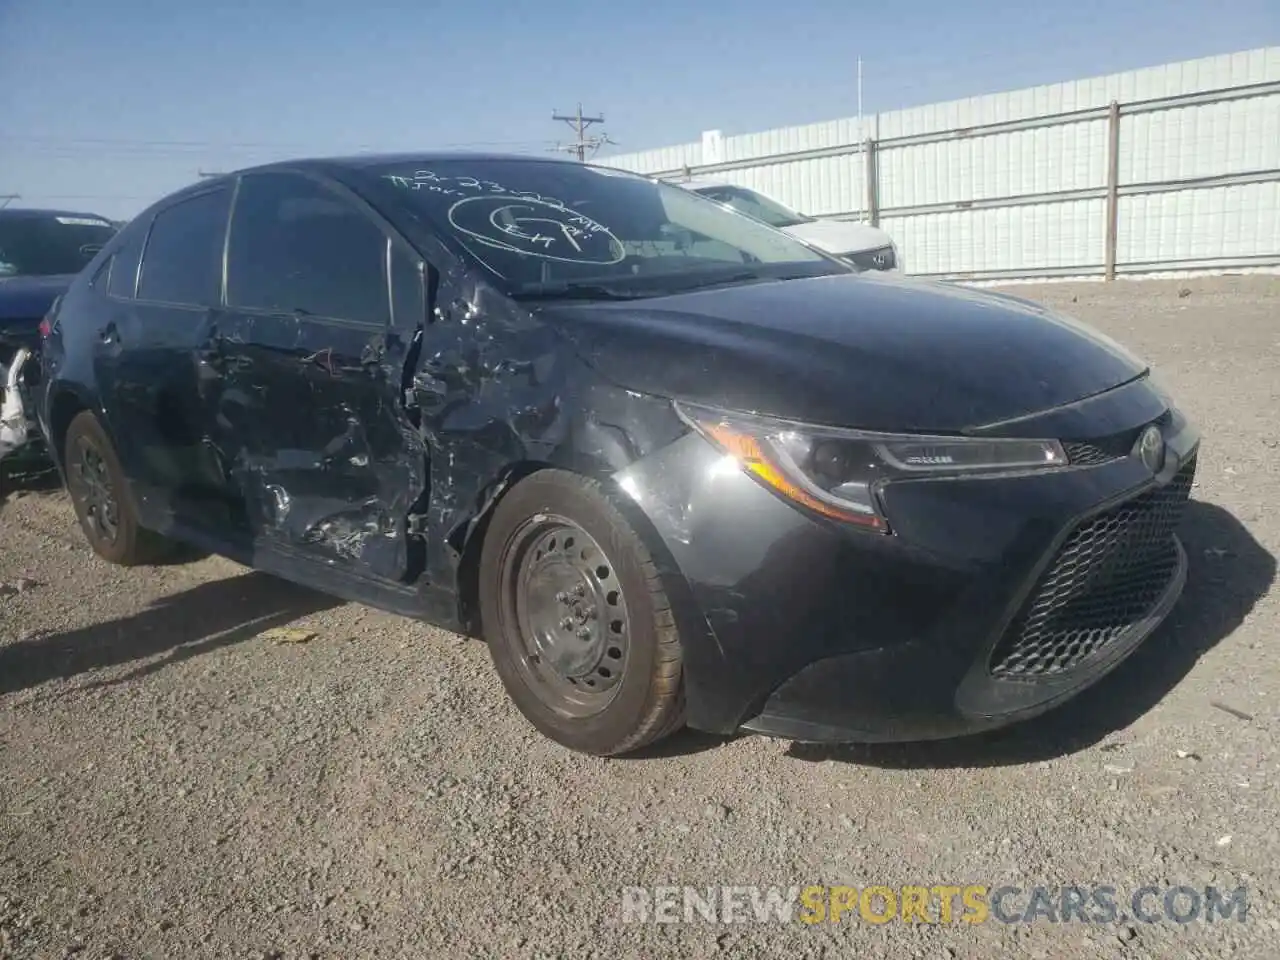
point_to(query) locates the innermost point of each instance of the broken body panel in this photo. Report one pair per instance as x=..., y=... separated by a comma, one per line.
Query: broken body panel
x=366, y=457
x=18, y=427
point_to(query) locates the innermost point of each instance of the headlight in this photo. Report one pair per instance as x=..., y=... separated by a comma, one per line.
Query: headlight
x=838, y=472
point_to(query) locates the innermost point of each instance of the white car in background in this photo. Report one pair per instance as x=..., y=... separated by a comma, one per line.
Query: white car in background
x=861, y=244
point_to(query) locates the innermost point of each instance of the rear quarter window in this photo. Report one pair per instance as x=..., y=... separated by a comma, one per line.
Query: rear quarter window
x=124, y=262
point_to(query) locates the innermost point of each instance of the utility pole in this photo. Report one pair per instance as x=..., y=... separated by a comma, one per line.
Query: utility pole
x=579, y=123
x=862, y=136
x=6, y=197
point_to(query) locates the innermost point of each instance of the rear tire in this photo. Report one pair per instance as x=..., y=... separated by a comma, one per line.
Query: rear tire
x=578, y=622
x=102, y=498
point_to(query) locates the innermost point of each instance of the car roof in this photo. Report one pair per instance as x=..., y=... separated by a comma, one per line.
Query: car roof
x=336, y=165
x=365, y=160
x=32, y=213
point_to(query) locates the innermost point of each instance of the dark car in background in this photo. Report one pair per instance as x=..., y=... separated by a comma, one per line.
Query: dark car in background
x=672, y=464
x=40, y=252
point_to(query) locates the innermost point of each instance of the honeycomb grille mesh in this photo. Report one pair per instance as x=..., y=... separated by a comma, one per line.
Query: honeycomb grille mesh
x=1117, y=446
x=1108, y=574
x=1088, y=454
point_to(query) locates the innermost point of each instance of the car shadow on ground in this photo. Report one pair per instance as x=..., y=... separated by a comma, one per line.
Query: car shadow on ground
x=211, y=615
x=35, y=476
x=1229, y=572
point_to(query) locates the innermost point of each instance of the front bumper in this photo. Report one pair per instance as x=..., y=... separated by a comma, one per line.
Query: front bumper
x=986, y=605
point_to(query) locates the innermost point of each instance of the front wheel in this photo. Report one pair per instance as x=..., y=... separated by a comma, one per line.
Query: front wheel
x=579, y=625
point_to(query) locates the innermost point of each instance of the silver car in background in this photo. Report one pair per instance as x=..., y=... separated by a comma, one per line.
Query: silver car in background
x=861, y=244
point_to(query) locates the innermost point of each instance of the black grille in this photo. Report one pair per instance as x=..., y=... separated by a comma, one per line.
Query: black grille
x=1090, y=453
x=1108, y=575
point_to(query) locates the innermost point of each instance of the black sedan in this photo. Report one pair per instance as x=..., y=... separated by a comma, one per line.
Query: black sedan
x=674, y=466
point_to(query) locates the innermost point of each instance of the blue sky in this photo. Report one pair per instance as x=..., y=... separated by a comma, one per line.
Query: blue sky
x=109, y=105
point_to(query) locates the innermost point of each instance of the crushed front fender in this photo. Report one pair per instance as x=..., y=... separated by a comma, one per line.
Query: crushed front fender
x=17, y=422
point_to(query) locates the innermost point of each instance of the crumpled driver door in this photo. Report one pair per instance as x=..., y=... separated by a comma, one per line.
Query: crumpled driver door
x=310, y=415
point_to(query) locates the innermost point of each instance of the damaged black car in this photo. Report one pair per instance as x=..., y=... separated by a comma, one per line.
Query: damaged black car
x=41, y=251
x=674, y=466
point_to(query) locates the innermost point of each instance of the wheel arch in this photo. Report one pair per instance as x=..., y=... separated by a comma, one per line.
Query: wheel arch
x=467, y=539
x=65, y=401
x=691, y=623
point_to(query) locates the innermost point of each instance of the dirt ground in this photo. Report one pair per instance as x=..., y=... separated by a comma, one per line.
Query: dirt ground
x=172, y=784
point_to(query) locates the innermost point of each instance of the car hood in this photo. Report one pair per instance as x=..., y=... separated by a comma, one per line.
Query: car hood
x=840, y=236
x=25, y=300
x=875, y=351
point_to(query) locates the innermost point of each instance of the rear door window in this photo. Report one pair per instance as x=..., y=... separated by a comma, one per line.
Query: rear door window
x=299, y=247
x=182, y=262
x=124, y=264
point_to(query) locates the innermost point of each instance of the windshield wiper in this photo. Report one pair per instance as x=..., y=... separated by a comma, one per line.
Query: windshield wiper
x=576, y=291
x=744, y=276
x=662, y=285
x=717, y=279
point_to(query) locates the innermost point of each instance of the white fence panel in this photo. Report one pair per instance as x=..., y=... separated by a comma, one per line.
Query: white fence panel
x=812, y=136
x=1220, y=223
x=1206, y=140
x=1051, y=236
x=1041, y=160
x=819, y=187
x=1031, y=196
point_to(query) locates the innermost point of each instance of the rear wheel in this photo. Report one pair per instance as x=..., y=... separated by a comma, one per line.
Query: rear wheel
x=101, y=497
x=578, y=622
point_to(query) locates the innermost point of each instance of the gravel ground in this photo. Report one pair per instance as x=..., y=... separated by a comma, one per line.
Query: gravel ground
x=173, y=784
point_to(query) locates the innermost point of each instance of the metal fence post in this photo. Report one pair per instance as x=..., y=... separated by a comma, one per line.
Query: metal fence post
x=873, y=181
x=1113, y=188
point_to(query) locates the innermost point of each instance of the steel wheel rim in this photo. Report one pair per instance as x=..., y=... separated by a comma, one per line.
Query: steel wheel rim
x=564, y=604
x=94, y=492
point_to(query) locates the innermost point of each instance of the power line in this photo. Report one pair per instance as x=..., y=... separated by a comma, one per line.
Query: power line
x=182, y=146
x=89, y=196
x=579, y=123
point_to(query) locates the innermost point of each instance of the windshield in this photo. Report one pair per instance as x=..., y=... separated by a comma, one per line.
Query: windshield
x=48, y=245
x=544, y=227
x=754, y=205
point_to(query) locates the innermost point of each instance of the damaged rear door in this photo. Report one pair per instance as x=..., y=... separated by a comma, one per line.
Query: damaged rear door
x=310, y=412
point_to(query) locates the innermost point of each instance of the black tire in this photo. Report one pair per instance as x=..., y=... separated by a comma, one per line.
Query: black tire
x=102, y=498
x=605, y=694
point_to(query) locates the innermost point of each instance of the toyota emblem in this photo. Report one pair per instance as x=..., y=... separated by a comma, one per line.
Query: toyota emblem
x=1150, y=448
